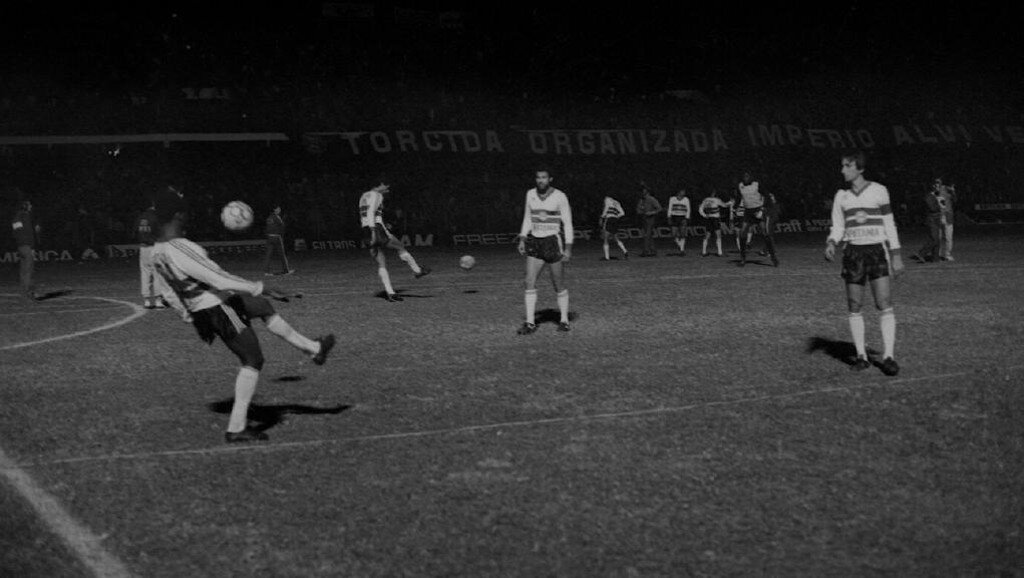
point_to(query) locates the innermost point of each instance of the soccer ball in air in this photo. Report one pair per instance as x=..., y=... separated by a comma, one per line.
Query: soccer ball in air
x=236, y=216
x=467, y=262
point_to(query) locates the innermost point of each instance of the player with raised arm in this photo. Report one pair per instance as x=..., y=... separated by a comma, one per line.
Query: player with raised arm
x=219, y=304
x=711, y=210
x=609, y=222
x=546, y=217
x=862, y=219
x=678, y=214
x=377, y=237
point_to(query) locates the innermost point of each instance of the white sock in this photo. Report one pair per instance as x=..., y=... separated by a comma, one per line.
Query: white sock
x=704, y=246
x=888, y=322
x=606, y=256
x=622, y=247
x=563, y=305
x=531, y=304
x=682, y=244
x=386, y=280
x=245, y=387
x=718, y=242
x=857, y=331
x=407, y=257
x=279, y=327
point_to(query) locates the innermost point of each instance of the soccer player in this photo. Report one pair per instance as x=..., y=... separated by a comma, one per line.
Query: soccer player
x=947, y=198
x=610, y=216
x=752, y=201
x=220, y=304
x=863, y=220
x=679, y=217
x=771, y=218
x=145, y=231
x=648, y=208
x=546, y=217
x=25, y=232
x=377, y=237
x=275, y=243
x=711, y=210
x=934, y=218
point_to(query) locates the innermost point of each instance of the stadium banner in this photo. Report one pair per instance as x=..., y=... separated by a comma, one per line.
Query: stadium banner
x=212, y=247
x=662, y=232
x=415, y=240
x=608, y=141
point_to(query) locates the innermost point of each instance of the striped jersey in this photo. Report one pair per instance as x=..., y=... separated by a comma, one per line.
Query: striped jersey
x=711, y=208
x=193, y=280
x=750, y=195
x=371, y=206
x=612, y=209
x=863, y=218
x=679, y=207
x=546, y=217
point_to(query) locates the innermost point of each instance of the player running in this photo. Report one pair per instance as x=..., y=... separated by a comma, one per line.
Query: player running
x=377, y=237
x=546, y=217
x=609, y=222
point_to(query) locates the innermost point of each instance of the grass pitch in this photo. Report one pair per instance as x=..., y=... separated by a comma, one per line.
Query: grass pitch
x=699, y=420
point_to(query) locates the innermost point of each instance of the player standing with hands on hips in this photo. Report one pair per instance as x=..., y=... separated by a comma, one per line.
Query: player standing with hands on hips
x=545, y=216
x=862, y=219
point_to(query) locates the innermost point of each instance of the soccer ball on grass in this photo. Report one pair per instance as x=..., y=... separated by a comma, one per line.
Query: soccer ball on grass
x=467, y=262
x=236, y=216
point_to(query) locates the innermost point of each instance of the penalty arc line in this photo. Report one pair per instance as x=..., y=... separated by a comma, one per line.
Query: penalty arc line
x=138, y=311
x=639, y=413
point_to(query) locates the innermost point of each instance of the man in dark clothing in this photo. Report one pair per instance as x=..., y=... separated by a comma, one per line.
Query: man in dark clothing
x=275, y=243
x=933, y=218
x=647, y=209
x=25, y=235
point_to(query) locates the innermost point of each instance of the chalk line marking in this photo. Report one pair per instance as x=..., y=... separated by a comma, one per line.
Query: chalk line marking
x=137, y=311
x=84, y=544
x=881, y=383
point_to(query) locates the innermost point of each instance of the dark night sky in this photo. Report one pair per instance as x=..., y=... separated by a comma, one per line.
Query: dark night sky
x=650, y=45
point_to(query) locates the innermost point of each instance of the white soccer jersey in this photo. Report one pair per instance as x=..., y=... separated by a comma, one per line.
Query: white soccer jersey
x=546, y=217
x=612, y=209
x=679, y=207
x=371, y=207
x=751, y=195
x=711, y=208
x=863, y=218
x=193, y=280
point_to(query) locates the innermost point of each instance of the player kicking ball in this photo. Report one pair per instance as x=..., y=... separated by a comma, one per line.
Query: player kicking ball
x=219, y=304
x=546, y=216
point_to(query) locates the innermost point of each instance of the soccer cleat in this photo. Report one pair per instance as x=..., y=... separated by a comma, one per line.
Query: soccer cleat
x=949, y=258
x=244, y=436
x=605, y=259
x=393, y=297
x=860, y=364
x=149, y=305
x=625, y=256
x=563, y=326
x=889, y=366
x=424, y=271
x=527, y=329
x=326, y=344
x=743, y=263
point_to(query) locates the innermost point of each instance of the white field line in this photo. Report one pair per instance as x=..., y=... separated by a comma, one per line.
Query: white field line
x=84, y=544
x=137, y=311
x=639, y=413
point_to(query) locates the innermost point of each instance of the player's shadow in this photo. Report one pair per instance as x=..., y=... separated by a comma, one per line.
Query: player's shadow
x=843, y=351
x=268, y=416
x=402, y=293
x=53, y=294
x=552, y=316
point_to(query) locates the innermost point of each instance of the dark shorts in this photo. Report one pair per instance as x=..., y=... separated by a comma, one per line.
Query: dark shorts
x=376, y=236
x=231, y=317
x=753, y=216
x=712, y=224
x=610, y=225
x=863, y=263
x=678, y=221
x=547, y=249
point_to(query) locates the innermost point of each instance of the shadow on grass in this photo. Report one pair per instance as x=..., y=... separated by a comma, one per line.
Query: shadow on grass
x=552, y=316
x=53, y=294
x=401, y=293
x=268, y=416
x=844, y=351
